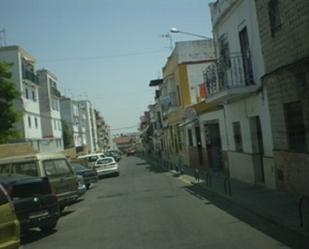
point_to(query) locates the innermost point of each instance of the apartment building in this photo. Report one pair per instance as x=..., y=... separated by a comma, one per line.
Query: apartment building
x=25, y=79
x=103, y=133
x=283, y=27
x=49, y=98
x=87, y=113
x=70, y=114
x=238, y=137
x=182, y=80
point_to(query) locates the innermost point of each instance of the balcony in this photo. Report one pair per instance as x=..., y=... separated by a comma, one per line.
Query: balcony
x=229, y=78
x=55, y=92
x=30, y=76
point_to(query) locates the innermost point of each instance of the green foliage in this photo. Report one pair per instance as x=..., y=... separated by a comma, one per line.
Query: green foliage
x=8, y=116
x=67, y=135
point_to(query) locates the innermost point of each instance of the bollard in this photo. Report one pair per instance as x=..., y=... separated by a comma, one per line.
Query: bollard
x=227, y=186
x=208, y=178
x=300, y=209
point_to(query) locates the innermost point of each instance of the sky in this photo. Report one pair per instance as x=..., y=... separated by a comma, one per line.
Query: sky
x=106, y=51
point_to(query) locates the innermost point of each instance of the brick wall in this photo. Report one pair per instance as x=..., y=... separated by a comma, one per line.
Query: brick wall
x=290, y=43
x=7, y=150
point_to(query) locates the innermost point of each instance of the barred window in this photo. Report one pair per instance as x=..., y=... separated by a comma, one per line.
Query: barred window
x=295, y=126
x=237, y=137
x=274, y=16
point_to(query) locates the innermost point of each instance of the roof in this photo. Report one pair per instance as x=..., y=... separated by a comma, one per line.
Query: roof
x=122, y=140
x=156, y=82
x=19, y=49
x=31, y=157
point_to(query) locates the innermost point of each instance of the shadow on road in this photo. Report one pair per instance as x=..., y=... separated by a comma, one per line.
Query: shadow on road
x=67, y=212
x=284, y=235
x=155, y=168
x=34, y=235
x=143, y=163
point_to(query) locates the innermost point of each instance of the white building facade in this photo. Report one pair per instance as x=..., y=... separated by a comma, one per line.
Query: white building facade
x=25, y=79
x=49, y=97
x=234, y=84
x=89, y=128
x=70, y=114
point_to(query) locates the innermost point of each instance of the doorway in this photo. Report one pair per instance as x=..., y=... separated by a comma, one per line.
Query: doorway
x=199, y=144
x=257, y=148
x=213, y=145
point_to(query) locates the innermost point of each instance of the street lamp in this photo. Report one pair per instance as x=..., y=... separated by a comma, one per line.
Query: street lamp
x=175, y=30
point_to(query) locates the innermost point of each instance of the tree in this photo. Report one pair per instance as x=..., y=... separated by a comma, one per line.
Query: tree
x=8, y=93
x=67, y=135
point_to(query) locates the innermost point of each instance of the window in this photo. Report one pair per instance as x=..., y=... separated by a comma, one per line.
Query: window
x=3, y=197
x=237, y=136
x=56, y=168
x=36, y=122
x=178, y=95
x=224, y=51
x=33, y=95
x=5, y=168
x=27, y=168
x=29, y=121
x=190, y=137
x=27, y=93
x=295, y=126
x=55, y=105
x=274, y=16
x=55, y=124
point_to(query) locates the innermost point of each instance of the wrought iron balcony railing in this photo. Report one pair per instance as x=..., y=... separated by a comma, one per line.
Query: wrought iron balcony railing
x=28, y=75
x=229, y=72
x=55, y=92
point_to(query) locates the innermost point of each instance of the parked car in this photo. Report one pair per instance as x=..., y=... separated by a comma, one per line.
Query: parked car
x=9, y=224
x=34, y=202
x=91, y=158
x=81, y=186
x=107, y=166
x=54, y=166
x=131, y=152
x=113, y=154
x=89, y=175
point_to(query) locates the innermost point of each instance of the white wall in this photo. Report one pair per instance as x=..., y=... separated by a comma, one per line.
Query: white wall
x=29, y=106
x=244, y=15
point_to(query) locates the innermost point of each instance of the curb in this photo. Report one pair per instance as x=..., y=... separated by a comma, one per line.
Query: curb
x=299, y=231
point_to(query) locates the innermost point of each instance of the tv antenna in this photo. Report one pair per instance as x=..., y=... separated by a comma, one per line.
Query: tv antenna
x=168, y=36
x=2, y=38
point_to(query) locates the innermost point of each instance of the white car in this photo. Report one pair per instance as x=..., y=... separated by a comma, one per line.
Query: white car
x=106, y=166
x=91, y=158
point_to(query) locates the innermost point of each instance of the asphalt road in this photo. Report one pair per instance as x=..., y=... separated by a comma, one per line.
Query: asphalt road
x=146, y=208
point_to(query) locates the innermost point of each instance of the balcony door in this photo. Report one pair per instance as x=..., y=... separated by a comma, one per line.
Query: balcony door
x=246, y=56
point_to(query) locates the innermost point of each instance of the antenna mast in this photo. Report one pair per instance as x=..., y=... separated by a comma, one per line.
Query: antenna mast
x=2, y=38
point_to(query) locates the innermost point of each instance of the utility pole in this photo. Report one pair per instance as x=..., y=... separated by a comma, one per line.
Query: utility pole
x=2, y=38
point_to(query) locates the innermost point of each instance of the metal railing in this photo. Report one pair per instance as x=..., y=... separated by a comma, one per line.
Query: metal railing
x=229, y=72
x=28, y=75
x=300, y=209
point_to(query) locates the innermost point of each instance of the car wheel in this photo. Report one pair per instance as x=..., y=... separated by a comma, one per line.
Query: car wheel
x=87, y=185
x=49, y=227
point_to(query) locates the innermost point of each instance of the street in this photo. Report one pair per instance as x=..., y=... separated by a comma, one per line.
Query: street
x=147, y=208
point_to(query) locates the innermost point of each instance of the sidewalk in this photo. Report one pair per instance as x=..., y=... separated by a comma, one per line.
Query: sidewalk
x=280, y=208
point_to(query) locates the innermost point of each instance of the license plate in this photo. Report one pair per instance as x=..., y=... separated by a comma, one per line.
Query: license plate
x=38, y=214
